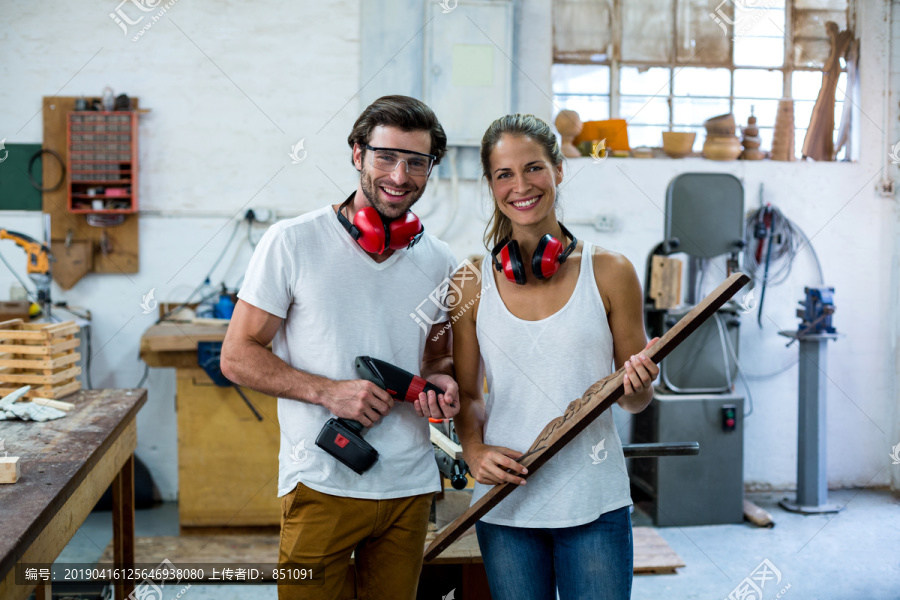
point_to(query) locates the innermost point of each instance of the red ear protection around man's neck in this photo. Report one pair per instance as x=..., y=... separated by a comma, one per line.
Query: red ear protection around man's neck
x=548, y=255
x=375, y=234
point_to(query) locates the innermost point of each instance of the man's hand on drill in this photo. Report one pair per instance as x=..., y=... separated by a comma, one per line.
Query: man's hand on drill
x=439, y=406
x=356, y=399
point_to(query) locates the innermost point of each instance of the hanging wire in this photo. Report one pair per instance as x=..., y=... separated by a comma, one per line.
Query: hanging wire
x=88, y=358
x=704, y=266
x=759, y=376
x=144, y=377
x=723, y=333
x=788, y=241
x=21, y=281
x=207, y=276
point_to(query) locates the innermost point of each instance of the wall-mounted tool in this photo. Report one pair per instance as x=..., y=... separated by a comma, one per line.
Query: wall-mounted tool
x=85, y=158
x=764, y=235
x=777, y=241
x=38, y=264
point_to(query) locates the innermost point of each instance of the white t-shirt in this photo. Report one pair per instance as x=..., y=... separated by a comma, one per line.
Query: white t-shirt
x=337, y=303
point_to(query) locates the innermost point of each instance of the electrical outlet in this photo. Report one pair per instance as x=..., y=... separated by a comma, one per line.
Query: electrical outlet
x=886, y=188
x=262, y=215
x=605, y=223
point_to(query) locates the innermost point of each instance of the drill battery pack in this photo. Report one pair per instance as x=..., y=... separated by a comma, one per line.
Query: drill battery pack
x=342, y=439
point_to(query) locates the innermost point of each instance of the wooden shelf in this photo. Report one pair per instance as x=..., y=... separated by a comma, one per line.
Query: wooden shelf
x=102, y=181
x=105, y=211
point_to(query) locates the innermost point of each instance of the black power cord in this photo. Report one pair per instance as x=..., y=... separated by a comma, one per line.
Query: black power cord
x=787, y=240
x=208, y=274
x=62, y=169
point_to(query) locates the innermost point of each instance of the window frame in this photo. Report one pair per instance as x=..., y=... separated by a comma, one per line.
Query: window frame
x=615, y=64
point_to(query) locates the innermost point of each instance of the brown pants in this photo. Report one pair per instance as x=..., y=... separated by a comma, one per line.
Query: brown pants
x=387, y=535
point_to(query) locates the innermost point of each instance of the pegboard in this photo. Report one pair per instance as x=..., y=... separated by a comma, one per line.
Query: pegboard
x=114, y=252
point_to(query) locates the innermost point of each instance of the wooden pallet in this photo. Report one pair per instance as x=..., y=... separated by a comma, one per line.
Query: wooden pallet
x=42, y=355
x=652, y=554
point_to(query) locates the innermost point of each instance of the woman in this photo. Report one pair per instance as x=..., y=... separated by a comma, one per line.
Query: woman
x=546, y=316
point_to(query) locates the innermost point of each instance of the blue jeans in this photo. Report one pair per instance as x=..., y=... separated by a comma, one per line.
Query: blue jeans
x=587, y=562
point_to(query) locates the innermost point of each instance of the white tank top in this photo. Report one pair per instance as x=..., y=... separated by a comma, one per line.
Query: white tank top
x=534, y=370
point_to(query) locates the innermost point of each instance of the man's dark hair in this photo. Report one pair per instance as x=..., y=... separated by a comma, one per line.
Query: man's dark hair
x=404, y=113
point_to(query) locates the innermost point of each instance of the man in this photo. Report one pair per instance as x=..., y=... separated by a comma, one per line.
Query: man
x=324, y=290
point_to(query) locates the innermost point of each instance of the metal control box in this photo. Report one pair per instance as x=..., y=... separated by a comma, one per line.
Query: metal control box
x=707, y=489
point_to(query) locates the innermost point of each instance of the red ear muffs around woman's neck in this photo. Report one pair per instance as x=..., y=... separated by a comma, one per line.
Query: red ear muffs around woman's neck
x=548, y=256
x=375, y=235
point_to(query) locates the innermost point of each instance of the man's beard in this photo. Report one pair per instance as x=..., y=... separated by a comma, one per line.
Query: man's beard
x=387, y=211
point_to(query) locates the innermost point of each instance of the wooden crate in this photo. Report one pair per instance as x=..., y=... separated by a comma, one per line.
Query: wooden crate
x=42, y=355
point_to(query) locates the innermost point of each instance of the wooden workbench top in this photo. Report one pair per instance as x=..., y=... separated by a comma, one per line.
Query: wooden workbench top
x=172, y=344
x=55, y=458
x=170, y=336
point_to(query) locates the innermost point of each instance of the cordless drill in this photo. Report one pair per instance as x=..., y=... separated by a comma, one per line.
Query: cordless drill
x=342, y=438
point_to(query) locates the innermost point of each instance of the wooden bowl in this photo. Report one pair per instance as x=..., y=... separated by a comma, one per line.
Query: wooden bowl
x=678, y=144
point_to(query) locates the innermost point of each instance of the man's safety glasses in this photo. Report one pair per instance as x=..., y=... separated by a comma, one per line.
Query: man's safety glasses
x=387, y=159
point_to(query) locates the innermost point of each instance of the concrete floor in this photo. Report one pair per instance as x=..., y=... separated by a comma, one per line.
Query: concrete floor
x=853, y=555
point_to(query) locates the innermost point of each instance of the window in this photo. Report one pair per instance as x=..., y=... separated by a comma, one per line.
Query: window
x=672, y=64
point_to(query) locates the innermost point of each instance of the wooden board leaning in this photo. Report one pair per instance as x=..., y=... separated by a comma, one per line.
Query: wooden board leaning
x=581, y=412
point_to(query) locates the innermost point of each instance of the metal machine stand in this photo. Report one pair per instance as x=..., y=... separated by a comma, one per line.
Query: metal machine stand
x=812, y=480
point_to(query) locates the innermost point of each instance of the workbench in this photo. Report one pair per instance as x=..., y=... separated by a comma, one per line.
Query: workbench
x=227, y=458
x=66, y=465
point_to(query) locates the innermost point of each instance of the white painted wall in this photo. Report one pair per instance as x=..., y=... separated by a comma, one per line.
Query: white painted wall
x=893, y=135
x=232, y=86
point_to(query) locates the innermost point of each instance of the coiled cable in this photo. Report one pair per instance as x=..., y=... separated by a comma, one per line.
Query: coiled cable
x=788, y=239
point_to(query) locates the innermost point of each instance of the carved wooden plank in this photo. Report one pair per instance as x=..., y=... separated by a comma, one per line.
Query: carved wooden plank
x=581, y=412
